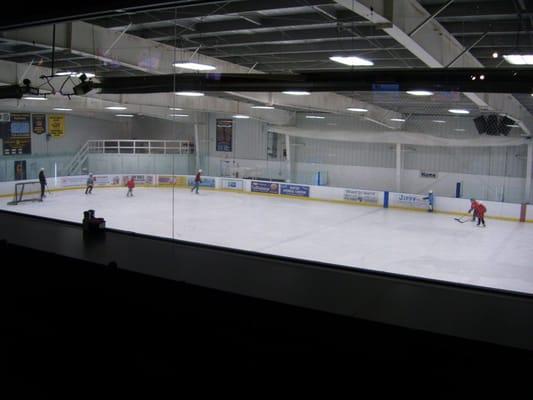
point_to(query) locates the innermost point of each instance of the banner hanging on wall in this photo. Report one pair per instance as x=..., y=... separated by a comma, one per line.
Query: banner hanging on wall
x=224, y=135
x=20, y=170
x=56, y=125
x=19, y=139
x=38, y=122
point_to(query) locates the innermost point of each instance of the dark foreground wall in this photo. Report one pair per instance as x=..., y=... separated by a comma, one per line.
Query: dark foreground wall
x=68, y=317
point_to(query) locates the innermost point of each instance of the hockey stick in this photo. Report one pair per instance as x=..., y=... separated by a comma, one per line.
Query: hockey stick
x=461, y=220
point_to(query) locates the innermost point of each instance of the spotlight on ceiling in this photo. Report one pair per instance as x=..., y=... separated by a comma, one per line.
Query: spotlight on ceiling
x=84, y=87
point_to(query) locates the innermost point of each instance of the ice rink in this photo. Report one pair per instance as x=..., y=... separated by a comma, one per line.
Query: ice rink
x=399, y=241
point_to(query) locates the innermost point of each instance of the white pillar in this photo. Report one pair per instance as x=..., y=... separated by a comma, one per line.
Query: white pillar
x=197, y=146
x=398, y=167
x=529, y=166
x=289, y=158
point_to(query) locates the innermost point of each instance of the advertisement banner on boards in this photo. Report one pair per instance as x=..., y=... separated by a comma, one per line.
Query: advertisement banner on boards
x=168, y=180
x=361, y=196
x=70, y=181
x=232, y=184
x=265, y=187
x=294, y=190
x=206, y=182
x=407, y=200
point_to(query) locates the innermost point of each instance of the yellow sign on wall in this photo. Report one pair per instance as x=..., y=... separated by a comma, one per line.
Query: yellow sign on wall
x=56, y=125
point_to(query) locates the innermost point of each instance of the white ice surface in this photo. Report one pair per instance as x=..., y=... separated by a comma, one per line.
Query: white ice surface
x=404, y=242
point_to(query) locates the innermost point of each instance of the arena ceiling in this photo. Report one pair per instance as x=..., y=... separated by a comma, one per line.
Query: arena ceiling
x=296, y=36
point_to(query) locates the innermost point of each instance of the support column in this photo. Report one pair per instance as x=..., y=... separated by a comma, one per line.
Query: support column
x=289, y=158
x=197, y=147
x=529, y=166
x=398, y=167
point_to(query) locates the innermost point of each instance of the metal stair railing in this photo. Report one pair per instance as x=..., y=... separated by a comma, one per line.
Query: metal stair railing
x=79, y=158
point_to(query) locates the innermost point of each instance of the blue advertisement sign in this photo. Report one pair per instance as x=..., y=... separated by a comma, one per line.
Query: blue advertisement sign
x=206, y=182
x=265, y=187
x=295, y=190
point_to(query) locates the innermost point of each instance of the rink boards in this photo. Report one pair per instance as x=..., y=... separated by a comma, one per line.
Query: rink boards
x=385, y=199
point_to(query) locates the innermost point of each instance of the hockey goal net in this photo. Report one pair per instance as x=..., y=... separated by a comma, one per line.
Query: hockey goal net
x=26, y=191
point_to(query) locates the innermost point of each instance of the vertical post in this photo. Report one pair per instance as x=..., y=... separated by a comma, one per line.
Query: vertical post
x=197, y=146
x=398, y=167
x=289, y=158
x=529, y=166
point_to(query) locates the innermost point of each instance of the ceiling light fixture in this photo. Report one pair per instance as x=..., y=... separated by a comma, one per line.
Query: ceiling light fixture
x=263, y=107
x=178, y=115
x=195, y=66
x=314, y=117
x=62, y=109
x=124, y=115
x=175, y=109
x=458, y=111
x=297, y=92
x=190, y=94
x=352, y=61
x=34, y=98
x=518, y=59
x=439, y=121
x=117, y=108
x=355, y=109
x=240, y=116
x=398, y=119
x=420, y=92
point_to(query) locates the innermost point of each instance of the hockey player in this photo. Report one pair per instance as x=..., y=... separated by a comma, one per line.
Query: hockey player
x=42, y=181
x=429, y=198
x=197, y=181
x=90, y=184
x=480, y=211
x=130, y=184
x=473, y=206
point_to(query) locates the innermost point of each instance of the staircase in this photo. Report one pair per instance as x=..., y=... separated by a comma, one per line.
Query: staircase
x=74, y=167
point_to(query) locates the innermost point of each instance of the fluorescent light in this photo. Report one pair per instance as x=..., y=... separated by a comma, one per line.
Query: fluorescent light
x=195, y=66
x=76, y=74
x=398, y=119
x=513, y=126
x=352, y=61
x=518, y=59
x=297, y=92
x=240, y=116
x=459, y=130
x=439, y=121
x=190, y=94
x=117, y=108
x=314, y=117
x=175, y=109
x=354, y=109
x=178, y=115
x=124, y=115
x=264, y=107
x=458, y=111
x=62, y=109
x=34, y=98
x=420, y=92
